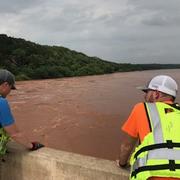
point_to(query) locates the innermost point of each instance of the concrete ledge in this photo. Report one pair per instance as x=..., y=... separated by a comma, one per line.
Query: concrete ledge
x=51, y=164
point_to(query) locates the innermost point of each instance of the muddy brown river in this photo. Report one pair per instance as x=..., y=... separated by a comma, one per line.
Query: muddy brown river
x=81, y=114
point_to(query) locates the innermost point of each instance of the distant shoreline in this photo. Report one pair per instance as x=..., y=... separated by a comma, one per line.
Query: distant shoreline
x=61, y=78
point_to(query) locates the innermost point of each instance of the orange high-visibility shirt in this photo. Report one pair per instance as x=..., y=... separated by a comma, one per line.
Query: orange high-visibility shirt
x=137, y=126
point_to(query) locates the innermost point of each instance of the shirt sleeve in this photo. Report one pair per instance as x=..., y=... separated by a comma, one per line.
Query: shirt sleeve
x=131, y=125
x=6, y=117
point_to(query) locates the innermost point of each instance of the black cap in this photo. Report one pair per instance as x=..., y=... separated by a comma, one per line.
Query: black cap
x=7, y=76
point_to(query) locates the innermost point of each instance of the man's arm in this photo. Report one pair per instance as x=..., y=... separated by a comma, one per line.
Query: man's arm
x=15, y=134
x=126, y=147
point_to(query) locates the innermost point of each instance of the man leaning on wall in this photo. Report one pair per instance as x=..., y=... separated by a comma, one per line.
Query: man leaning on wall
x=8, y=127
x=156, y=125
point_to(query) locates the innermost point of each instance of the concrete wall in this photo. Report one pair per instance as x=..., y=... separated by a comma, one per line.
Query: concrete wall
x=51, y=164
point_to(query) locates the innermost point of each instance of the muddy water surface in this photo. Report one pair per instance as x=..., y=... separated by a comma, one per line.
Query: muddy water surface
x=82, y=114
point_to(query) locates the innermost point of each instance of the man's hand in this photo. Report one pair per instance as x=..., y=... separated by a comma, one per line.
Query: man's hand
x=36, y=145
x=127, y=165
x=126, y=147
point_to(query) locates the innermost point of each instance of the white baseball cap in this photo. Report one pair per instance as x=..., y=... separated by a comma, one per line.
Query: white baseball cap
x=162, y=83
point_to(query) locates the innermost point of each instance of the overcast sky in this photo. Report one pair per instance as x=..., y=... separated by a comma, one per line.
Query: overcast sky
x=131, y=31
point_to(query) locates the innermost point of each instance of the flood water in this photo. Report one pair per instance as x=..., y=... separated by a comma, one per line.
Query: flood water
x=81, y=114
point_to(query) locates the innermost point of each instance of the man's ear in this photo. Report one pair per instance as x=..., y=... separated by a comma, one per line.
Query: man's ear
x=4, y=85
x=157, y=94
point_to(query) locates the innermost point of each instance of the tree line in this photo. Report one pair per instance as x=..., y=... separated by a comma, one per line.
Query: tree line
x=28, y=60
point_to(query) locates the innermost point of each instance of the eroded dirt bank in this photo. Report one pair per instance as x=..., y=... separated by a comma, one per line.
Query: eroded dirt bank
x=81, y=114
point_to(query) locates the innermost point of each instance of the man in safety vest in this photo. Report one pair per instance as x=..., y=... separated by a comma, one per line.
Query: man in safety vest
x=156, y=124
x=8, y=128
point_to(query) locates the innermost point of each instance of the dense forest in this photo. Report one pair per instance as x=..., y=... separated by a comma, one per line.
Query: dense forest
x=28, y=60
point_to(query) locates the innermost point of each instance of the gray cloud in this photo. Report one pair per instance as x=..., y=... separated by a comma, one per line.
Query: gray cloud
x=134, y=31
x=159, y=13
x=15, y=6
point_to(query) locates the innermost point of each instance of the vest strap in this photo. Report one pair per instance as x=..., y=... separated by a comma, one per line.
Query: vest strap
x=175, y=105
x=148, y=118
x=172, y=166
x=169, y=144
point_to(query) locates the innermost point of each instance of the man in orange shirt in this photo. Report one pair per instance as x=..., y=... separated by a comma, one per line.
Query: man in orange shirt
x=161, y=88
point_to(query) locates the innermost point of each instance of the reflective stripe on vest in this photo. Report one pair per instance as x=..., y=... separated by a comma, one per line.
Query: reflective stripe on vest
x=157, y=154
x=155, y=122
x=160, y=150
x=164, y=154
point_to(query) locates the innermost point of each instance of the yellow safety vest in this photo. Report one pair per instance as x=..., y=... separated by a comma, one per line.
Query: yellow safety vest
x=159, y=153
x=4, y=138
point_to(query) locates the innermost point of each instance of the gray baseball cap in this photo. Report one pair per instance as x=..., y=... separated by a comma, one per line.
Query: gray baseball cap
x=7, y=76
